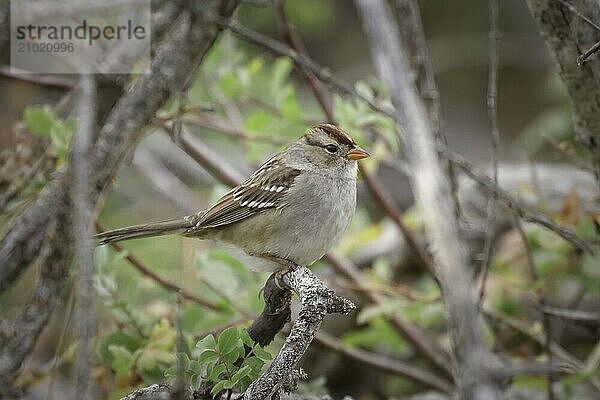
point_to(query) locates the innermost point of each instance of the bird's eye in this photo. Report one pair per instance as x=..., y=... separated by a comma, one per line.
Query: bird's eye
x=331, y=148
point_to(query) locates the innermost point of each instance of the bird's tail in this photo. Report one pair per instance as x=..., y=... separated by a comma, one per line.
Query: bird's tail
x=167, y=227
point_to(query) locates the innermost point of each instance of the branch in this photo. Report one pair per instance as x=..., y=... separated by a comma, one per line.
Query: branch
x=567, y=32
x=316, y=302
x=385, y=363
x=474, y=363
x=275, y=314
x=144, y=270
x=176, y=60
x=83, y=208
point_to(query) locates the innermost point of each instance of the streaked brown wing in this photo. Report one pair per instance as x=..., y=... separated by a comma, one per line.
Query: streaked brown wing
x=262, y=191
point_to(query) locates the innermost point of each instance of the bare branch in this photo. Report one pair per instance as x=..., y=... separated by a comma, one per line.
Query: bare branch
x=83, y=207
x=492, y=106
x=567, y=30
x=385, y=363
x=474, y=363
x=144, y=270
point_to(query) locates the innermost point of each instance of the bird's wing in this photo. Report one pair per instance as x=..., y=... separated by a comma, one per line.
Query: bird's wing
x=262, y=191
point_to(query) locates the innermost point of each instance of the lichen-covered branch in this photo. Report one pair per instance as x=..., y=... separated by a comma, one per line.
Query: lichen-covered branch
x=316, y=302
x=567, y=35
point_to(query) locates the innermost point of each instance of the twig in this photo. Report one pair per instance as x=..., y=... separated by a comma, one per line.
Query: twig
x=14, y=189
x=539, y=295
x=527, y=213
x=207, y=158
x=51, y=81
x=385, y=363
x=144, y=270
x=316, y=302
x=218, y=125
x=578, y=316
x=492, y=106
x=540, y=337
x=295, y=41
x=575, y=11
x=459, y=161
x=419, y=338
x=582, y=59
x=82, y=226
x=386, y=203
x=475, y=365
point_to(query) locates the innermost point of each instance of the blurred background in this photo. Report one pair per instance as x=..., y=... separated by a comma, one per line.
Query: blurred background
x=247, y=104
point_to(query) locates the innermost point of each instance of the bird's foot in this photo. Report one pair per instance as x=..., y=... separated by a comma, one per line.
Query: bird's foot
x=288, y=266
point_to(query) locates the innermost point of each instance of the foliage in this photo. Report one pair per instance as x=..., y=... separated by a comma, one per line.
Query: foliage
x=232, y=361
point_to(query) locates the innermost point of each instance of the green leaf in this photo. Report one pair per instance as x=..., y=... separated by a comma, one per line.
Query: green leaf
x=288, y=105
x=232, y=356
x=243, y=372
x=206, y=343
x=218, y=388
x=216, y=372
x=262, y=354
x=39, y=120
x=208, y=358
x=230, y=85
x=122, y=359
x=281, y=71
x=246, y=339
x=258, y=121
x=228, y=340
x=254, y=363
x=60, y=135
x=116, y=338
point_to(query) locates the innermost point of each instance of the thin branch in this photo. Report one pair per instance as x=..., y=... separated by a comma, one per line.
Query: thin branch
x=582, y=59
x=204, y=156
x=539, y=337
x=15, y=188
x=386, y=203
x=144, y=270
x=82, y=226
x=579, y=14
x=295, y=41
x=385, y=363
x=578, y=316
x=50, y=81
x=527, y=213
x=419, y=338
x=492, y=106
x=539, y=295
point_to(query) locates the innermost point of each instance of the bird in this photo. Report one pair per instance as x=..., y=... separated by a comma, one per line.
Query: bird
x=288, y=213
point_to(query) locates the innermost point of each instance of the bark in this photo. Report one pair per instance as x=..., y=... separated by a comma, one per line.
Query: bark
x=568, y=36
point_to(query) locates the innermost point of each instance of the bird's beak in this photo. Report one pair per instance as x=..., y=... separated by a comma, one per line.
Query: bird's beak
x=356, y=154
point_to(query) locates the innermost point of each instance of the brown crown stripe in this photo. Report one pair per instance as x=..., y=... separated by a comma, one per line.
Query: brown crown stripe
x=339, y=135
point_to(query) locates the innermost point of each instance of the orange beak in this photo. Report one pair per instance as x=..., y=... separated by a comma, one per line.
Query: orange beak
x=356, y=154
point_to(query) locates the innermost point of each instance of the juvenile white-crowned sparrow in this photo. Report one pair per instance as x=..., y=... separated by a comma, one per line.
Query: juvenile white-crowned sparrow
x=289, y=212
